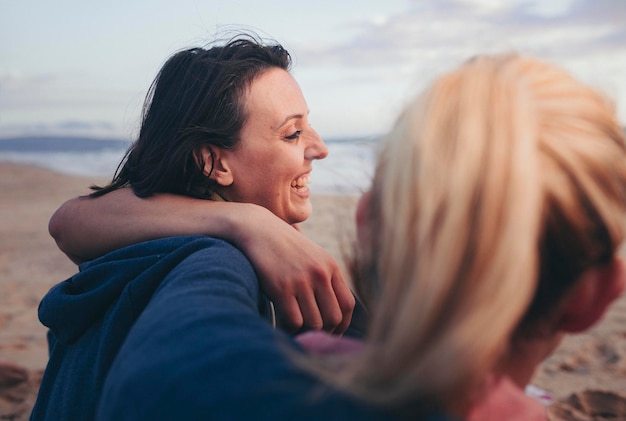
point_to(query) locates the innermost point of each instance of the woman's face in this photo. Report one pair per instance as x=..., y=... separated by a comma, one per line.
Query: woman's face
x=272, y=162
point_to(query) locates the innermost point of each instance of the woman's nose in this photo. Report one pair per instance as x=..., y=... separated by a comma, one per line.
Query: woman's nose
x=316, y=149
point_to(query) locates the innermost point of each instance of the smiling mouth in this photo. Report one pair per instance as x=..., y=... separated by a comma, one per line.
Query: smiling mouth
x=301, y=183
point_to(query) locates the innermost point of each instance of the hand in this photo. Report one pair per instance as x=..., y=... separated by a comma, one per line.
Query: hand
x=302, y=279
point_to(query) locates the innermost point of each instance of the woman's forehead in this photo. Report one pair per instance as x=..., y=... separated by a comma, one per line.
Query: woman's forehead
x=275, y=97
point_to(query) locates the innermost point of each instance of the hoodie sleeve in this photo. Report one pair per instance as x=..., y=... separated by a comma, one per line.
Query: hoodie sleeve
x=200, y=350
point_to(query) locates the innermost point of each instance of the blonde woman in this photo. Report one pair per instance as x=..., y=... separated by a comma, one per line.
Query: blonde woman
x=491, y=230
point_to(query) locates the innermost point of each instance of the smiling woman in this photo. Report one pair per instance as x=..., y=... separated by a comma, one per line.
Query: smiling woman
x=272, y=161
x=226, y=124
x=237, y=131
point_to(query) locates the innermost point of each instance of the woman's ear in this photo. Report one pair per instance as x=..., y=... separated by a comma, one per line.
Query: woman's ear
x=596, y=289
x=215, y=165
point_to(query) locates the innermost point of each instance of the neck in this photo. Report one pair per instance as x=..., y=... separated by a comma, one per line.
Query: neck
x=503, y=400
x=525, y=356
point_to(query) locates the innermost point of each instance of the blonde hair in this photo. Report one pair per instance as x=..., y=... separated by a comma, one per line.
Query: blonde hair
x=495, y=168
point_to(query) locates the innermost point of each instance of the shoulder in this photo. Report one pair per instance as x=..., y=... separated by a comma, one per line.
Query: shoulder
x=201, y=259
x=209, y=252
x=169, y=247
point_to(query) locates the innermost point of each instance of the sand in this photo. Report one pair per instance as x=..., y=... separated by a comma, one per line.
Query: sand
x=589, y=369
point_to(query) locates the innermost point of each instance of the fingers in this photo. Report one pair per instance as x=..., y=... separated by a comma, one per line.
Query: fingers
x=331, y=313
x=345, y=301
x=301, y=278
x=302, y=311
x=335, y=302
x=288, y=315
x=323, y=304
x=311, y=312
x=334, y=299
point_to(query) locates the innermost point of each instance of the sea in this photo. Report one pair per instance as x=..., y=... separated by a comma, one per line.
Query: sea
x=348, y=169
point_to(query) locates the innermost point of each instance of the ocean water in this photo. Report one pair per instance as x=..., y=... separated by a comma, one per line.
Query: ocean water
x=347, y=169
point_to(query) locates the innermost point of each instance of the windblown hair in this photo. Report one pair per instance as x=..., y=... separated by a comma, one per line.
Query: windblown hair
x=493, y=193
x=197, y=99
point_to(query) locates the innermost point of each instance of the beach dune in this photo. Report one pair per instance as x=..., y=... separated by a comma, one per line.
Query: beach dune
x=586, y=374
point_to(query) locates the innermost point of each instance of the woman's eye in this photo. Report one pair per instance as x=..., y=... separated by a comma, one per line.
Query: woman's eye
x=294, y=136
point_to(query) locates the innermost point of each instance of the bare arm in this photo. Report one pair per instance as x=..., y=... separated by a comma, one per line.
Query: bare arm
x=304, y=281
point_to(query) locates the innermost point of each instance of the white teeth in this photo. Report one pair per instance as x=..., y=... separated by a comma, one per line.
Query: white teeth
x=301, y=182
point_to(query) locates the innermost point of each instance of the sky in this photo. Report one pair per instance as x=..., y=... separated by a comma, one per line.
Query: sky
x=72, y=67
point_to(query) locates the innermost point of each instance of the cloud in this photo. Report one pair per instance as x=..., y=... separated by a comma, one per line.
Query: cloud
x=450, y=30
x=400, y=53
x=61, y=128
x=599, y=11
x=15, y=81
x=20, y=90
x=47, y=103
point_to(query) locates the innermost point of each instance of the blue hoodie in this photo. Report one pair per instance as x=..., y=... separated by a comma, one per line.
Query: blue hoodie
x=171, y=329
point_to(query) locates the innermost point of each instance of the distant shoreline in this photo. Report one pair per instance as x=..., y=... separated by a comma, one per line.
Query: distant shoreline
x=346, y=170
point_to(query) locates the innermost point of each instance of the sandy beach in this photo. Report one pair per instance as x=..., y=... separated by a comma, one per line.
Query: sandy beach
x=590, y=366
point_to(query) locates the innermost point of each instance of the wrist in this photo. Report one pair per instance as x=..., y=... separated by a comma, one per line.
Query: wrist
x=244, y=222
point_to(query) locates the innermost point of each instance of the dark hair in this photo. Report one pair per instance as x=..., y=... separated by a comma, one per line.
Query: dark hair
x=197, y=99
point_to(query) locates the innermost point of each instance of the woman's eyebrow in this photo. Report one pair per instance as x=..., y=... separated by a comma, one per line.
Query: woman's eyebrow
x=291, y=117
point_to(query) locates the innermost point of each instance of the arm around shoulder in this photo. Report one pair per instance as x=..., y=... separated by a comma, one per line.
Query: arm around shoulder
x=303, y=280
x=88, y=227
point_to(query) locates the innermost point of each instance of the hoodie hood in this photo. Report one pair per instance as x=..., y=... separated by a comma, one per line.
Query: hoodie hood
x=90, y=314
x=116, y=286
